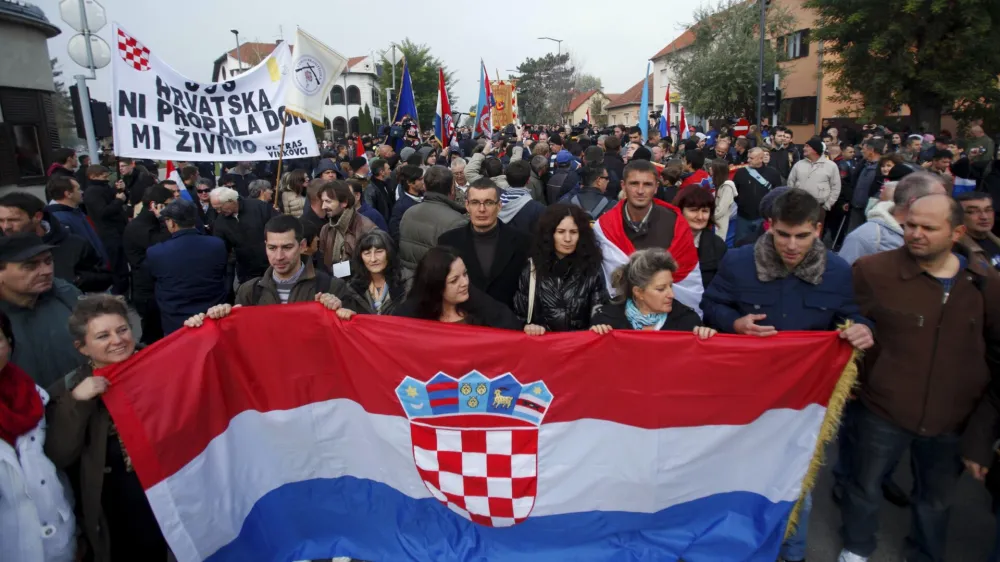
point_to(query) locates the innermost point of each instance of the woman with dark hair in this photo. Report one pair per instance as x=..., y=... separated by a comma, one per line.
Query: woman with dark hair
x=645, y=298
x=292, y=200
x=117, y=519
x=32, y=495
x=376, y=285
x=442, y=292
x=563, y=283
x=697, y=205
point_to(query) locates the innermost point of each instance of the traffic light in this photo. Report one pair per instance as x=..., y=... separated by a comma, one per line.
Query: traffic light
x=772, y=98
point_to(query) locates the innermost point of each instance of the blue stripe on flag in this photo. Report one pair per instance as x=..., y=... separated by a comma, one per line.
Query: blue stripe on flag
x=369, y=520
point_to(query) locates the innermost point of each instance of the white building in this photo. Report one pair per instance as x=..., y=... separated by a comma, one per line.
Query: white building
x=357, y=86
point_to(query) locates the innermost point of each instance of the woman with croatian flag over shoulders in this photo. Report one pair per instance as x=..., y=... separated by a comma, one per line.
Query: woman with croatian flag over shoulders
x=642, y=221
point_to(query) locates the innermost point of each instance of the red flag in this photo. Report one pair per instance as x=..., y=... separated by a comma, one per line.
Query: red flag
x=170, y=167
x=683, y=129
x=588, y=115
x=360, y=149
x=666, y=108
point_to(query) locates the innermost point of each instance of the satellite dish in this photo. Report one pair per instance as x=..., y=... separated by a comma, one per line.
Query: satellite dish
x=77, y=48
x=69, y=11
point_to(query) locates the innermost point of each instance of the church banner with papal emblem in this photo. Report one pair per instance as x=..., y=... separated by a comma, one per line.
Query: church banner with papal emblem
x=158, y=113
x=284, y=433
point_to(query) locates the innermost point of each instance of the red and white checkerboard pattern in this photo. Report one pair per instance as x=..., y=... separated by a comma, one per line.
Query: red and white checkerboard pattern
x=133, y=52
x=488, y=476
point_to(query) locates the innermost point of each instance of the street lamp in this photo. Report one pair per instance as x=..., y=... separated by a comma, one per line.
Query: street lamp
x=239, y=58
x=558, y=42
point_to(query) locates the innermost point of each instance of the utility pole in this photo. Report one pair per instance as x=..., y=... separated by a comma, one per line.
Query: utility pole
x=760, y=75
x=81, y=84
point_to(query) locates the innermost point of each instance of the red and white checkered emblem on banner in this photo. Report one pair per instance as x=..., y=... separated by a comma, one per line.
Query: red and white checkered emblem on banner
x=488, y=476
x=133, y=52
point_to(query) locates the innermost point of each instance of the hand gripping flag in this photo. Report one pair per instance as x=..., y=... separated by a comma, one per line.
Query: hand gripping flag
x=616, y=248
x=484, y=113
x=578, y=447
x=315, y=67
x=444, y=127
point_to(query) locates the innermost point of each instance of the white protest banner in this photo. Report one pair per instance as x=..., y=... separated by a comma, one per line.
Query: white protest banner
x=162, y=115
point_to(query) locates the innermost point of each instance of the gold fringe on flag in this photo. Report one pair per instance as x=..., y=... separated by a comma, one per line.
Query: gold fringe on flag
x=827, y=432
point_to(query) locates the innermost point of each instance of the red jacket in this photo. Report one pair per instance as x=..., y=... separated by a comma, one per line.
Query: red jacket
x=699, y=177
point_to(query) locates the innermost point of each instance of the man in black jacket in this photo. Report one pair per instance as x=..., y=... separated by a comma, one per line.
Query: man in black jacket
x=752, y=183
x=109, y=211
x=134, y=180
x=240, y=224
x=784, y=155
x=379, y=194
x=141, y=233
x=74, y=259
x=493, y=252
x=592, y=198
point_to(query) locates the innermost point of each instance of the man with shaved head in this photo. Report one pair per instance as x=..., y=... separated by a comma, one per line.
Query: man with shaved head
x=937, y=316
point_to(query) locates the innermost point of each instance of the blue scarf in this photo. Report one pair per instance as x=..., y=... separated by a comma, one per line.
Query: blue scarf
x=638, y=320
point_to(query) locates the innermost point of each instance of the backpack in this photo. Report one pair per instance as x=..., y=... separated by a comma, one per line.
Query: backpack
x=596, y=211
x=323, y=279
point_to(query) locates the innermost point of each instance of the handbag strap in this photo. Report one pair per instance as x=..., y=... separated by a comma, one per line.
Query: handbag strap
x=531, y=290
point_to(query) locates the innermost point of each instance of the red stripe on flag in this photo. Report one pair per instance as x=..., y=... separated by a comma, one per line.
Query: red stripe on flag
x=170, y=400
x=434, y=387
x=444, y=402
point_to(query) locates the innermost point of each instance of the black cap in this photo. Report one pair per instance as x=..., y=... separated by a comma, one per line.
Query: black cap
x=180, y=211
x=358, y=162
x=21, y=247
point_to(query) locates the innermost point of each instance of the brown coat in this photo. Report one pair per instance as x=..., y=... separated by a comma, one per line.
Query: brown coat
x=337, y=241
x=976, y=252
x=928, y=370
x=79, y=431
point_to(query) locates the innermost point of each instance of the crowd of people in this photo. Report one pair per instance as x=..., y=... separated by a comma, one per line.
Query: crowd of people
x=538, y=229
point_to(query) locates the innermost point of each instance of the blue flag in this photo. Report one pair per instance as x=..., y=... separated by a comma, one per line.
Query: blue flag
x=644, y=108
x=406, y=104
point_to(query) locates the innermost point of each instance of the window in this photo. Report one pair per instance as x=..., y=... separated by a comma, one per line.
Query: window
x=353, y=95
x=337, y=96
x=794, y=45
x=340, y=124
x=797, y=111
x=354, y=125
x=28, y=152
x=375, y=96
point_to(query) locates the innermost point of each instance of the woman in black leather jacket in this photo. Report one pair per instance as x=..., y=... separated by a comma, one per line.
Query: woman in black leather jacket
x=569, y=282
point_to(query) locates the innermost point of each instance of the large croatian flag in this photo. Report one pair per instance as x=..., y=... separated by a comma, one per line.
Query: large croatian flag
x=281, y=433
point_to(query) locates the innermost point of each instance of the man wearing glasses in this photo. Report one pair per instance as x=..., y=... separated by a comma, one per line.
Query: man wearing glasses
x=493, y=252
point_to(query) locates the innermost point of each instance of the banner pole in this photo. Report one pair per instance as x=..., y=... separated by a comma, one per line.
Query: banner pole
x=281, y=157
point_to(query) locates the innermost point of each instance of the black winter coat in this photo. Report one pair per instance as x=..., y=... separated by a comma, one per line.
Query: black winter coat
x=136, y=184
x=109, y=213
x=680, y=319
x=74, y=259
x=711, y=248
x=144, y=231
x=244, y=236
x=565, y=299
x=481, y=310
x=509, y=259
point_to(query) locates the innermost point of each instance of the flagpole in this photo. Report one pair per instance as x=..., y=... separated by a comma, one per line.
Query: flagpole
x=281, y=156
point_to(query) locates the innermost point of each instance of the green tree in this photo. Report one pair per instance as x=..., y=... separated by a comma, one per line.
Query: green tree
x=65, y=120
x=586, y=82
x=717, y=75
x=424, y=75
x=931, y=55
x=544, y=88
x=365, y=123
x=597, y=115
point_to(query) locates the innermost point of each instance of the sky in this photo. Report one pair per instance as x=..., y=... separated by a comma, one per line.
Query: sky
x=610, y=40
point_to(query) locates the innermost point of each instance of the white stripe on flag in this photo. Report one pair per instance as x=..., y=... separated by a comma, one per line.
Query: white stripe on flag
x=202, y=506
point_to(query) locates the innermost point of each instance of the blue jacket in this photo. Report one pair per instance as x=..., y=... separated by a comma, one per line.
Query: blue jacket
x=77, y=222
x=403, y=203
x=789, y=303
x=375, y=216
x=189, y=275
x=863, y=182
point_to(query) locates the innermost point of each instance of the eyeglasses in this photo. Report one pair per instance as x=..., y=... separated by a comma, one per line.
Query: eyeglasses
x=489, y=203
x=204, y=190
